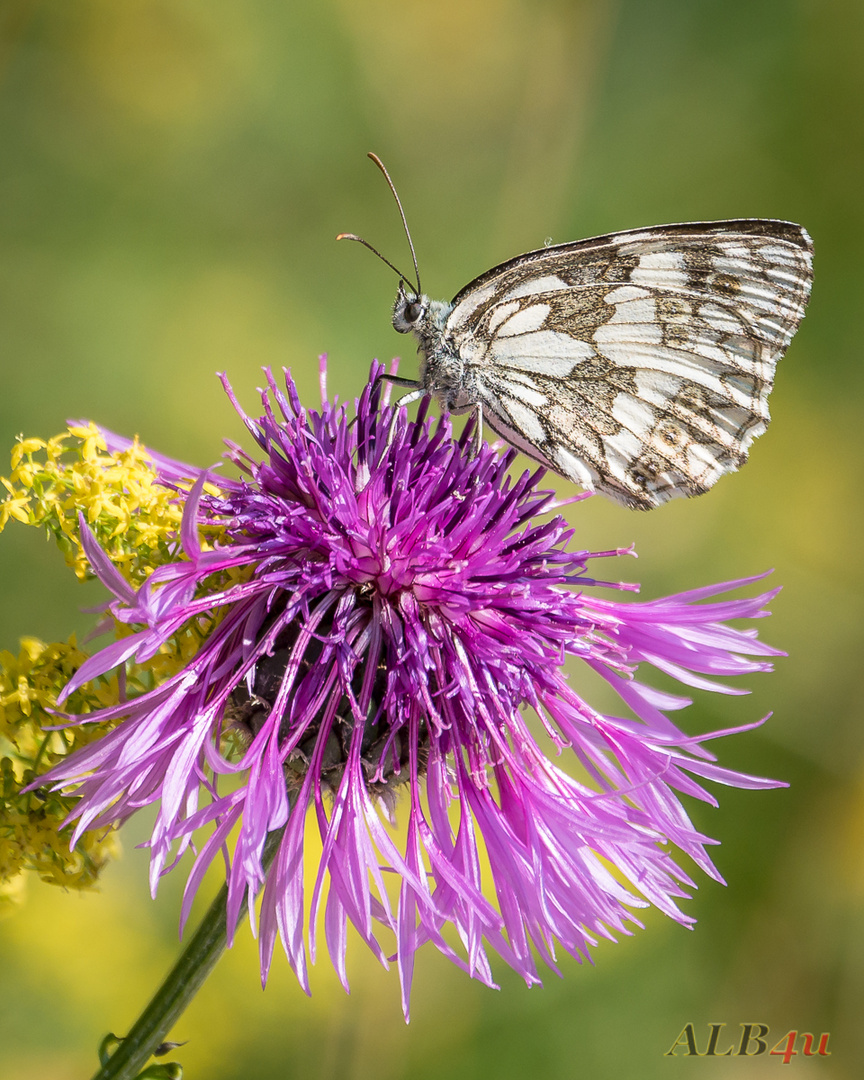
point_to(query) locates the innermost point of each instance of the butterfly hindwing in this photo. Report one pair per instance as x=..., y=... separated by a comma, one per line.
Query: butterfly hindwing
x=639, y=363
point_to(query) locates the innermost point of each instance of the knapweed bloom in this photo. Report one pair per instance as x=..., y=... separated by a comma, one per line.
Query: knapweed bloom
x=397, y=627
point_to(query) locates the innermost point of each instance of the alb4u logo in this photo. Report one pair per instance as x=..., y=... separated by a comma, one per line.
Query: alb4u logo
x=752, y=1043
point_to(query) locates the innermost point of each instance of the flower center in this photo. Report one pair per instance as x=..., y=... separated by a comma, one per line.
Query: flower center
x=384, y=748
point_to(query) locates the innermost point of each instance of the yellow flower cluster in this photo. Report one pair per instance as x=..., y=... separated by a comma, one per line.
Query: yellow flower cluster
x=135, y=518
x=31, y=833
x=136, y=521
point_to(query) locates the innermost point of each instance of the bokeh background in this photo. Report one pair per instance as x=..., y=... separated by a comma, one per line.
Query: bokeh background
x=172, y=175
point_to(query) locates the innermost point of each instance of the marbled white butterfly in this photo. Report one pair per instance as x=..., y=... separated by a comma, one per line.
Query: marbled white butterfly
x=637, y=364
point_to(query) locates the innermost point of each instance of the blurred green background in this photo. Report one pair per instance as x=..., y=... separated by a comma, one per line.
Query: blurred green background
x=172, y=175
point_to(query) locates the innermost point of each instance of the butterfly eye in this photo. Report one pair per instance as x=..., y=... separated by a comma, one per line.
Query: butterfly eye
x=413, y=312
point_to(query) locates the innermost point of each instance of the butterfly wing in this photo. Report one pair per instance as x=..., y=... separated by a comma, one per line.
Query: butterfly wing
x=638, y=364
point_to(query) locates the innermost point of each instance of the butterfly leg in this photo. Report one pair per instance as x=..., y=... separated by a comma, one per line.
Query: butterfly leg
x=415, y=395
x=398, y=380
x=476, y=436
x=417, y=390
x=478, y=430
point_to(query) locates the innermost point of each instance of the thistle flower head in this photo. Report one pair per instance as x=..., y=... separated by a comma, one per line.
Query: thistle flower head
x=389, y=618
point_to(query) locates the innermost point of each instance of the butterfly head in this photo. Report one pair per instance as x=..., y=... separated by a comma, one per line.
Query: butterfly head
x=410, y=309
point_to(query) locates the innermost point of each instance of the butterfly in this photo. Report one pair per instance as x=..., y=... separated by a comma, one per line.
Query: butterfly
x=636, y=364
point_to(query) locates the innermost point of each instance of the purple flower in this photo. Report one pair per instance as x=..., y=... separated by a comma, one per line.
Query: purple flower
x=388, y=606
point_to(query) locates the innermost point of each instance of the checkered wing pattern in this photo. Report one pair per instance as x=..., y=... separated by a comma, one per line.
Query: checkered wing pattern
x=638, y=364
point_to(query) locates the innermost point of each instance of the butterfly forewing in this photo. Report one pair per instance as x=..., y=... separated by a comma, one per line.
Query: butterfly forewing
x=638, y=363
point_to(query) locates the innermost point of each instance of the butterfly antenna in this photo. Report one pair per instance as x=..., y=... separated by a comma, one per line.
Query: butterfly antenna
x=392, y=187
x=375, y=251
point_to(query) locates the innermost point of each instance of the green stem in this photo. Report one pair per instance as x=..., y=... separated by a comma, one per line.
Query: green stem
x=182, y=983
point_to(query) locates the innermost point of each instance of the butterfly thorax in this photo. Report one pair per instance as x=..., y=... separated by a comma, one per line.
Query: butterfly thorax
x=442, y=370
